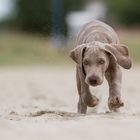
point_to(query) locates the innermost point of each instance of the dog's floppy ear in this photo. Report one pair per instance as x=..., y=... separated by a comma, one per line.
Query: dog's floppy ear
x=77, y=53
x=120, y=53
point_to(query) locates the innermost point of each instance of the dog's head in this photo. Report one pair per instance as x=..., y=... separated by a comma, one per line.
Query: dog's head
x=94, y=59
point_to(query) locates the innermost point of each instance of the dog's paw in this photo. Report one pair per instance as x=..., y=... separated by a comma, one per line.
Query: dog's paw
x=114, y=103
x=95, y=101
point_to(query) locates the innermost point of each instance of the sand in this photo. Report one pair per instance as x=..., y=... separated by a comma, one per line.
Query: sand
x=40, y=103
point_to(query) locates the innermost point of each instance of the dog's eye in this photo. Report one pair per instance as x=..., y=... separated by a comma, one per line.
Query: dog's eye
x=101, y=61
x=86, y=62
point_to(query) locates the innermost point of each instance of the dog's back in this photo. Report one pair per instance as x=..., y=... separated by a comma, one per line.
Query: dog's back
x=97, y=31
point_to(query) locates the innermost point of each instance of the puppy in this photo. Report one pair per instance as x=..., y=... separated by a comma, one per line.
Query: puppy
x=99, y=54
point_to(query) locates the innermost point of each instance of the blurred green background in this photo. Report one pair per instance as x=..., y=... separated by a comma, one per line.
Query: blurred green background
x=43, y=31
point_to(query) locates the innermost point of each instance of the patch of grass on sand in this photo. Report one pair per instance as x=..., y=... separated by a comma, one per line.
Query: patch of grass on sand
x=25, y=49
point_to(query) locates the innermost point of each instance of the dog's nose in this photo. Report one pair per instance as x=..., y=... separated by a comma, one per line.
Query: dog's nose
x=93, y=80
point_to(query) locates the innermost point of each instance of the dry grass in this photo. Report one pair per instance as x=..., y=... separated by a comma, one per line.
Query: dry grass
x=26, y=49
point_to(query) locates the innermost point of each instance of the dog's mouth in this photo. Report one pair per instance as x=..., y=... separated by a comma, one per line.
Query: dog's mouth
x=94, y=85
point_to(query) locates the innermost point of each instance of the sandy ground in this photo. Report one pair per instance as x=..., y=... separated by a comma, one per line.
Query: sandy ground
x=39, y=103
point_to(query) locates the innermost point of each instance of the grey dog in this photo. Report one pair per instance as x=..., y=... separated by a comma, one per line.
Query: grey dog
x=99, y=54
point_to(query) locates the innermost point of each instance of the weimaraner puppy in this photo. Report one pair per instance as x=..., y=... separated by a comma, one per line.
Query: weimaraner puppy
x=99, y=54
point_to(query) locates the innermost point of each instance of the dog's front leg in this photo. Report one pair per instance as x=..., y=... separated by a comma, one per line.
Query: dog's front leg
x=82, y=107
x=114, y=78
x=85, y=96
x=89, y=99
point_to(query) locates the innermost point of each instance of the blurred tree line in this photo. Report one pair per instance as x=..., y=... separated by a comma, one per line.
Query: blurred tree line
x=36, y=15
x=126, y=12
